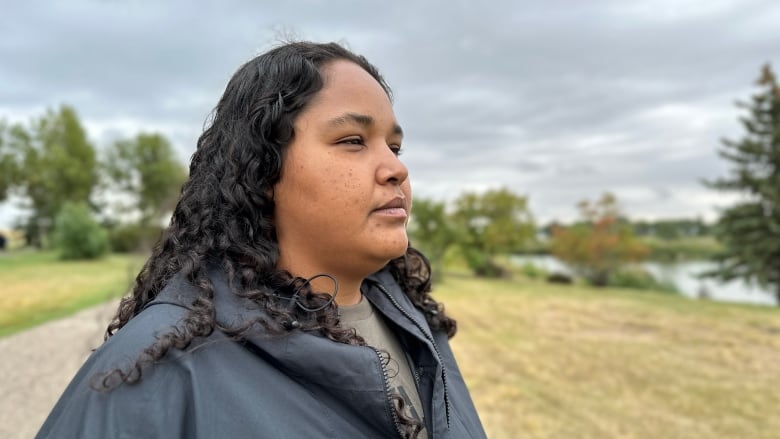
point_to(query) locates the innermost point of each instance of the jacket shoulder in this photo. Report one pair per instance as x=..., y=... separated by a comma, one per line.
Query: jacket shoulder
x=86, y=409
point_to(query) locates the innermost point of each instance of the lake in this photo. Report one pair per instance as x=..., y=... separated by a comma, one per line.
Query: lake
x=684, y=275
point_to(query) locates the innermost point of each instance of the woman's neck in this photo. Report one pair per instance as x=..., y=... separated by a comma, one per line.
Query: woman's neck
x=349, y=289
x=348, y=283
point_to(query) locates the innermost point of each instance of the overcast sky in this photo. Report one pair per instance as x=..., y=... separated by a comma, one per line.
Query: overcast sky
x=557, y=100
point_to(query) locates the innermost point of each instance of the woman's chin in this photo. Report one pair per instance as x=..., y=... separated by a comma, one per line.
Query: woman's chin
x=392, y=249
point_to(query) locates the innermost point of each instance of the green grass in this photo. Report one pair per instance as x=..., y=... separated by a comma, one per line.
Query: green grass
x=38, y=287
x=546, y=361
x=688, y=248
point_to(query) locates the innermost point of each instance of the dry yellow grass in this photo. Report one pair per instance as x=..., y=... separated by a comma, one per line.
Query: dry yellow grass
x=37, y=286
x=548, y=361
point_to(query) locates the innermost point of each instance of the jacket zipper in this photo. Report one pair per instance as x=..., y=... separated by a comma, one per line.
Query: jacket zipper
x=387, y=393
x=433, y=343
x=415, y=370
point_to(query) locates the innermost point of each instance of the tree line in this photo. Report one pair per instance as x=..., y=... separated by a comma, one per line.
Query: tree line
x=128, y=186
x=482, y=227
x=67, y=185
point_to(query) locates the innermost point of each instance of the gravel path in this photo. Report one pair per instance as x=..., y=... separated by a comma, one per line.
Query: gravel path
x=39, y=363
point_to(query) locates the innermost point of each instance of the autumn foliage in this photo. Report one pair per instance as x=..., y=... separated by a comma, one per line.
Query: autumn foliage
x=598, y=246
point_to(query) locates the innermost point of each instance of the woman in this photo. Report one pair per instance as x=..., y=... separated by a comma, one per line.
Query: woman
x=283, y=301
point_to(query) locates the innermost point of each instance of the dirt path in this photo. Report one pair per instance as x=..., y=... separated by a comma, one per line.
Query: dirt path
x=39, y=363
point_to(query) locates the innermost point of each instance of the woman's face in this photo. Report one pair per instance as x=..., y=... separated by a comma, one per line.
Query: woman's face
x=343, y=198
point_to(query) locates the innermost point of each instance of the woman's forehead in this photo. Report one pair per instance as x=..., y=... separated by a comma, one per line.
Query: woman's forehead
x=350, y=95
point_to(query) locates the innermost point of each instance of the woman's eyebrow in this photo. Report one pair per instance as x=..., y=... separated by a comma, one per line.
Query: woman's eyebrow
x=360, y=119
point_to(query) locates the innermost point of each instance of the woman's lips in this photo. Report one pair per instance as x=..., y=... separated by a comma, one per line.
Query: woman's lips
x=395, y=208
x=392, y=212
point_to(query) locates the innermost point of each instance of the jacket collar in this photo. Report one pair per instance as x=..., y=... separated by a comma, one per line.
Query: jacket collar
x=386, y=295
x=353, y=374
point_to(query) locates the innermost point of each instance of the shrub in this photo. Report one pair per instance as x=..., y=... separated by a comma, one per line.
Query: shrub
x=531, y=271
x=560, y=278
x=128, y=238
x=639, y=279
x=77, y=235
x=600, y=245
x=482, y=265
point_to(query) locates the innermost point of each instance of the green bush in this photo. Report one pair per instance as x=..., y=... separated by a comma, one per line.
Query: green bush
x=559, y=278
x=128, y=238
x=639, y=279
x=531, y=271
x=482, y=265
x=77, y=235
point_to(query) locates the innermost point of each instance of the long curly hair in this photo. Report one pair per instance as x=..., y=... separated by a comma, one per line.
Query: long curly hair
x=224, y=215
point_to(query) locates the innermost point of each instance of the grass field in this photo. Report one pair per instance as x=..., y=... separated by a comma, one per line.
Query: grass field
x=546, y=361
x=688, y=248
x=542, y=361
x=36, y=287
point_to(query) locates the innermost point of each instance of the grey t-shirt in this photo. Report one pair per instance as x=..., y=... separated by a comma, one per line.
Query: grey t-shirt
x=377, y=334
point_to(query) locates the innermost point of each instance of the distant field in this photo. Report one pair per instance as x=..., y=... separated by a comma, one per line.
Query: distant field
x=545, y=361
x=689, y=248
x=36, y=287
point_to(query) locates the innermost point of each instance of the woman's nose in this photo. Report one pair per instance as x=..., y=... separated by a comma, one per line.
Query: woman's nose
x=391, y=169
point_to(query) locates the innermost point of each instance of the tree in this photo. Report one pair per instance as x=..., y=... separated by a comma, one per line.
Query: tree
x=497, y=221
x=146, y=168
x=750, y=230
x=597, y=247
x=9, y=161
x=58, y=165
x=432, y=232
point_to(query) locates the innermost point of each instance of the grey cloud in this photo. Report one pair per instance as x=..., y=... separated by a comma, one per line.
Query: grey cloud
x=558, y=99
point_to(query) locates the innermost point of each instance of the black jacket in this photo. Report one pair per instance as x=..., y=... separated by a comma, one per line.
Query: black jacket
x=297, y=386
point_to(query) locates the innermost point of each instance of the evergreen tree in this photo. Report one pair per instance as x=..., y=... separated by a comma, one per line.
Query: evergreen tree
x=750, y=230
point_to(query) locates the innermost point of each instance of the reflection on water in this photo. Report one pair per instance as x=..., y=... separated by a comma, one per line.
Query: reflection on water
x=684, y=275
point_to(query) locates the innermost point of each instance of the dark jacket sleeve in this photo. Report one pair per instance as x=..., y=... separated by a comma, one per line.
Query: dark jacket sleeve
x=156, y=409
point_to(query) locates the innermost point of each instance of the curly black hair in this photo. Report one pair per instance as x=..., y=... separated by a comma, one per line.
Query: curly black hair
x=224, y=216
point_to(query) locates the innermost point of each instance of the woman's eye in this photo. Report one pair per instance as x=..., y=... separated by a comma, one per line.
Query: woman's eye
x=396, y=149
x=352, y=141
